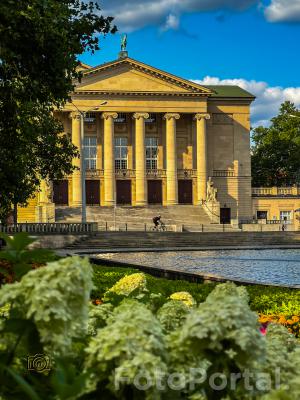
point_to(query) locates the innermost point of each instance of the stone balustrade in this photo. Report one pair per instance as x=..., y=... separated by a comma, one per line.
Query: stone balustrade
x=223, y=173
x=44, y=228
x=276, y=191
x=187, y=173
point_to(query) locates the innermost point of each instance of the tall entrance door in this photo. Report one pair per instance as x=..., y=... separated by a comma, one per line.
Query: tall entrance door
x=92, y=192
x=185, y=191
x=60, y=192
x=225, y=215
x=123, y=191
x=155, y=192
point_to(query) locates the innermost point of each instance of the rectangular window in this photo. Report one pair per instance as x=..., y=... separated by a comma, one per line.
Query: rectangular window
x=151, y=119
x=90, y=118
x=121, y=153
x=286, y=216
x=90, y=152
x=262, y=214
x=122, y=117
x=151, y=152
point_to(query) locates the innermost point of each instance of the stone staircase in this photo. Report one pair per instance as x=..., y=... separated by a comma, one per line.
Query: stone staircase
x=105, y=241
x=137, y=217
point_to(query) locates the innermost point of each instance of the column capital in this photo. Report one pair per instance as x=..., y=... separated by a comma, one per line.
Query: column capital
x=75, y=115
x=200, y=116
x=139, y=115
x=107, y=115
x=169, y=116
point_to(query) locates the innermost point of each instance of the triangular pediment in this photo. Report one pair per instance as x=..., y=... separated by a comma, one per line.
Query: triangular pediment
x=130, y=76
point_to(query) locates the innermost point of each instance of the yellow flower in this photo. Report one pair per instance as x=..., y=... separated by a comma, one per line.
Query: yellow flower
x=290, y=322
x=264, y=319
x=129, y=283
x=185, y=297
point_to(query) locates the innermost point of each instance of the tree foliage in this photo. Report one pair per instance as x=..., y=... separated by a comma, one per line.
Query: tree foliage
x=276, y=150
x=40, y=42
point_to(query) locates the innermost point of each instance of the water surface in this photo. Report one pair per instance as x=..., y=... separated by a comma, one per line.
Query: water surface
x=262, y=266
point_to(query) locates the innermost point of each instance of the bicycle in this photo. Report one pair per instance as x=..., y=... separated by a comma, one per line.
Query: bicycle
x=159, y=228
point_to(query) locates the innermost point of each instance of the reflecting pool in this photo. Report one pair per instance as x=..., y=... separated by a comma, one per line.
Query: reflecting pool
x=262, y=266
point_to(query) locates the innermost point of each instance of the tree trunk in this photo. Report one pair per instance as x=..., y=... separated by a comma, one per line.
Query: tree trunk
x=15, y=214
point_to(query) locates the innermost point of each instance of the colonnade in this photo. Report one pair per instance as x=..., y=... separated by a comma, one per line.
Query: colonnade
x=140, y=157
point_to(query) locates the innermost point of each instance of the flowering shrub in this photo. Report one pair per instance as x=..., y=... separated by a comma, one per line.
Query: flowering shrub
x=131, y=343
x=292, y=322
x=185, y=297
x=98, y=317
x=50, y=298
x=129, y=284
x=136, y=348
x=172, y=314
x=220, y=335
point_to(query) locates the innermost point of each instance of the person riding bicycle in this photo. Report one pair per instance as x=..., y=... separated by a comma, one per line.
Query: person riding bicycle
x=157, y=221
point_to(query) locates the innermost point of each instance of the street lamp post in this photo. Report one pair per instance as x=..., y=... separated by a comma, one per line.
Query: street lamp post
x=82, y=161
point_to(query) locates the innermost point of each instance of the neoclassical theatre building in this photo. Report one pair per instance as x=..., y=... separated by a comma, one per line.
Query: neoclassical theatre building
x=152, y=138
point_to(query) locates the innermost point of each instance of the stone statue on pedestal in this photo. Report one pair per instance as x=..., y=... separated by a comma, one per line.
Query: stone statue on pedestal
x=123, y=53
x=49, y=190
x=211, y=191
x=124, y=42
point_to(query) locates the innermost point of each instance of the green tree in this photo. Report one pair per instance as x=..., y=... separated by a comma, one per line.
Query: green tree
x=276, y=150
x=39, y=45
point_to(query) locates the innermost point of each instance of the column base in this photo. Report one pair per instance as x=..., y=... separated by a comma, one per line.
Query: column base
x=76, y=204
x=109, y=203
x=172, y=203
x=141, y=203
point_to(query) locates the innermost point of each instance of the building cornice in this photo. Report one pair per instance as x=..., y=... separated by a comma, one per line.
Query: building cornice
x=137, y=94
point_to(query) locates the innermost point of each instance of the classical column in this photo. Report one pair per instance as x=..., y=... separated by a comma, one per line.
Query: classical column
x=172, y=184
x=109, y=158
x=76, y=177
x=201, y=155
x=140, y=159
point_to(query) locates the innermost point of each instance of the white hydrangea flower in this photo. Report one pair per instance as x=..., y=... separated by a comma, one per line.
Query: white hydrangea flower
x=56, y=298
x=131, y=343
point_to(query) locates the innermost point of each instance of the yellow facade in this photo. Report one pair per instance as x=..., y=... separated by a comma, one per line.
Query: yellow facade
x=277, y=204
x=199, y=132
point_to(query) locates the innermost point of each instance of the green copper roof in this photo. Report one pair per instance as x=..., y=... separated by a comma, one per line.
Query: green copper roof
x=229, y=91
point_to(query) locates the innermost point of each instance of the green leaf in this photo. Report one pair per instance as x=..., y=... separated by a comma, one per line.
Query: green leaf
x=24, y=385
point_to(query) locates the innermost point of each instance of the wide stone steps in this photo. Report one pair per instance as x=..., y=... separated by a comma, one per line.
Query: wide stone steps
x=148, y=240
x=176, y=215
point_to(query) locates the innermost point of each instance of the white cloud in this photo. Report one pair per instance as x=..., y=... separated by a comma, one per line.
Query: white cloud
x=268, y=98
x=131, y=15
x=172, y=22
x=283, y=10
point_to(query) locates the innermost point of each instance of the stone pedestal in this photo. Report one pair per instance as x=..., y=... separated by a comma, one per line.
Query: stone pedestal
x=45, y=213
x=123, y=54
x=212, y=209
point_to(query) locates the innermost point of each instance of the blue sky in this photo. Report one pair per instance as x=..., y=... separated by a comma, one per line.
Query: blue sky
x=245, y=42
